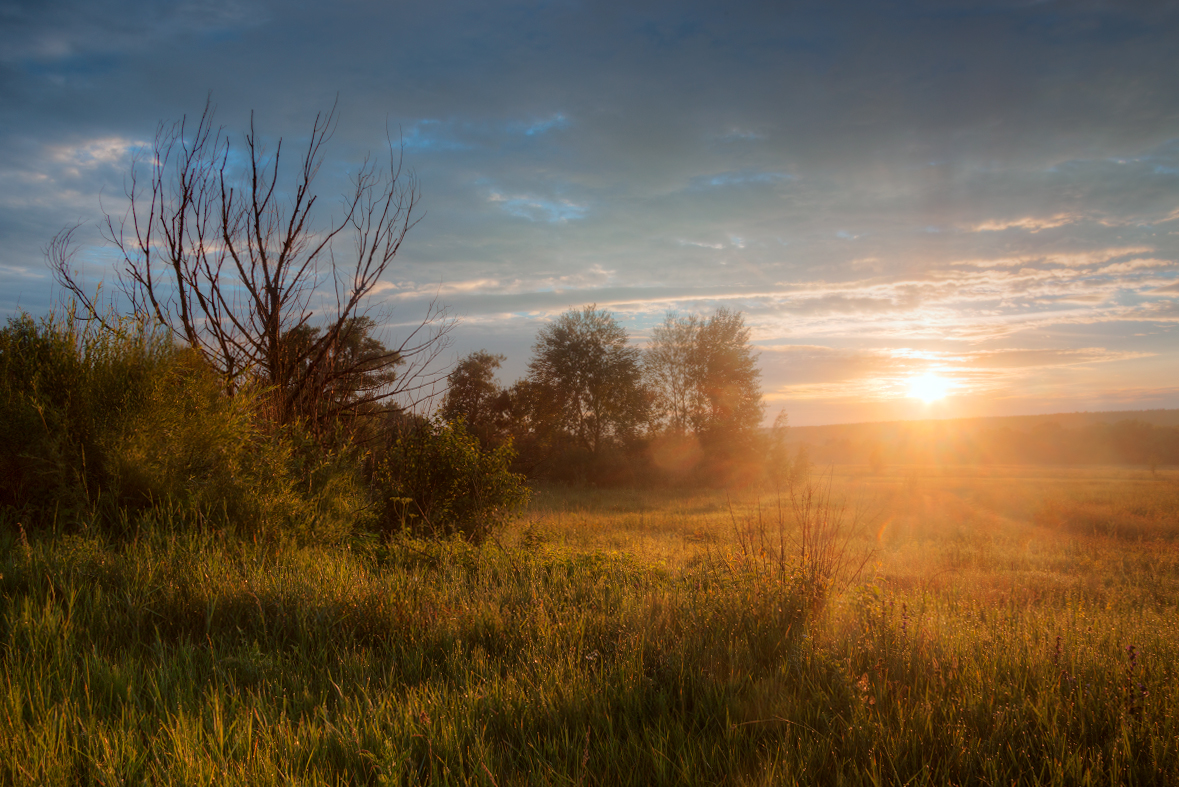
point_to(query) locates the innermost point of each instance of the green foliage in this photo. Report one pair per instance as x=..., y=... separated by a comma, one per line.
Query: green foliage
x=99, y=425
x=219, y=457
x=473, y=396
x=581, y=413
x=438, y=480
x=68, y=390
x=583, y=367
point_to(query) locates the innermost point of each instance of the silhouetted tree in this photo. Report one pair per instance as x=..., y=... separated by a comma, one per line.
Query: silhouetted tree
x=473, y=396
x=705, y=374
x=236, y=267
x=588, y=378
x=353, y=377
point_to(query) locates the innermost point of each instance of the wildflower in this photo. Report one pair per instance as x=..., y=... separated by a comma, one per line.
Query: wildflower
x=864, y=684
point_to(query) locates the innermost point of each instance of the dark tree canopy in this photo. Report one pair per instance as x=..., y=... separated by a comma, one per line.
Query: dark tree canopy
x=473, y=396
x=585, y=371
x=354, y=375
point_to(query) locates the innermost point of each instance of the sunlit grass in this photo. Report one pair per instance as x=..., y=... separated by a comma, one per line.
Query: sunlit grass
x=1011, y=625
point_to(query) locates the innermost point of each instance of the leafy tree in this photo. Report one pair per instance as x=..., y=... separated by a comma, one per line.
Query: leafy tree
x=588, y=379
x=474, y=397
x=354, y=376
x=672, y=365
x=705, y=375
x=531, y=420
x=729, y=382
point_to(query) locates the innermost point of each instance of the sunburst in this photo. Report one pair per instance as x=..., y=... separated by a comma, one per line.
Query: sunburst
x=929, y=387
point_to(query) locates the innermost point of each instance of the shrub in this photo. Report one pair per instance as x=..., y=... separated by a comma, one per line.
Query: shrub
x=221, y=459
x=437, y=480
x=66, y=388
x=99, y=422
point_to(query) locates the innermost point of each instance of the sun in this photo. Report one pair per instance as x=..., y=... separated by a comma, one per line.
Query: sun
x=929, y=387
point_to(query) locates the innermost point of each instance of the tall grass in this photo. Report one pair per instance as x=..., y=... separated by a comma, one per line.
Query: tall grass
x=976, y=653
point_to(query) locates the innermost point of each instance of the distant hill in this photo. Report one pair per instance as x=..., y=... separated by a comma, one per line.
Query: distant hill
x=1141, y=437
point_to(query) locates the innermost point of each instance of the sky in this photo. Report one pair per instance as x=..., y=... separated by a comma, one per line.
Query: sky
x=984, y=195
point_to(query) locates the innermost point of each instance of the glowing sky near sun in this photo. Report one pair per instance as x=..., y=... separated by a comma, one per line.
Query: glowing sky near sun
x=985, y=192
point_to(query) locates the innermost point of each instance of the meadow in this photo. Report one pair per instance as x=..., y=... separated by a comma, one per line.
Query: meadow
x=932, y=625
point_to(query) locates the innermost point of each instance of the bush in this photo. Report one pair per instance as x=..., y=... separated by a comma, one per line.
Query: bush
x=100, y=422
x=437, y=480
x=66, y=388
x=221, y=459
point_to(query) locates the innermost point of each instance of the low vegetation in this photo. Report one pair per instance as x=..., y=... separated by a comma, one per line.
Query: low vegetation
x=615, y=637
x=103, y=427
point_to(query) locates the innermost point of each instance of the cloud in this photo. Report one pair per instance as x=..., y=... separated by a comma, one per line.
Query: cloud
x=95, y=152
x=556, y=121
x=737, y=178
x=852, y=174
x=432, y=135
x=1030, y=223
x=534, y=208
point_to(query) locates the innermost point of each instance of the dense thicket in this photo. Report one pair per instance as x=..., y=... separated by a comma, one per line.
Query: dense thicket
x=104, y=424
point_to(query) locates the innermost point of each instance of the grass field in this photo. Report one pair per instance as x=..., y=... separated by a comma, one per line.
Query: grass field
x=1011, y=625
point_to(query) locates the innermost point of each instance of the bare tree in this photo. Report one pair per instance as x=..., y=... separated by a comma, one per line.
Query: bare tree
x=228, y=257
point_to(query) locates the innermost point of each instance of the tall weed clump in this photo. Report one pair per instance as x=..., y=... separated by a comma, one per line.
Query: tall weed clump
x=811, y=542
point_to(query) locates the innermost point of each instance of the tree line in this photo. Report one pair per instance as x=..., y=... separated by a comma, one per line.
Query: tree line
x=595, y=408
